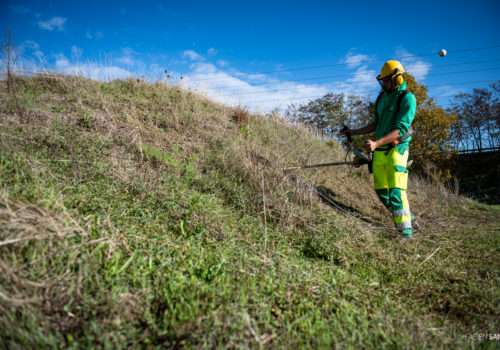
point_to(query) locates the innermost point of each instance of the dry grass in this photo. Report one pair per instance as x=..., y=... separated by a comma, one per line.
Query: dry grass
x=240, y=115
x=27, y=284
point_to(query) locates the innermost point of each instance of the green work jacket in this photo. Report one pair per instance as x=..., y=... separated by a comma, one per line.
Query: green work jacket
x=387, y=121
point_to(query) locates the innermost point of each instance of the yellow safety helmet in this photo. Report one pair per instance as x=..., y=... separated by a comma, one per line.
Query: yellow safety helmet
x=391, y=69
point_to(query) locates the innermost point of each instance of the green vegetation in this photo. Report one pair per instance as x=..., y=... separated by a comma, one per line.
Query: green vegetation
x=136, y=215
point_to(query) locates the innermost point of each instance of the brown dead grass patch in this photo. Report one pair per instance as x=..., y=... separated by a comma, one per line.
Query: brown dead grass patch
x=240, y=115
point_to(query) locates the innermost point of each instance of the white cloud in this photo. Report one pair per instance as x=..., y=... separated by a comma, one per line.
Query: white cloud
x=413, y=65
x=236, y=88
x=362, y=82
x=419, y=69
x=212, y=52
x=192, y=55
x=53, y=23
x=353, y=60
x=203, y=68
x=264, y=92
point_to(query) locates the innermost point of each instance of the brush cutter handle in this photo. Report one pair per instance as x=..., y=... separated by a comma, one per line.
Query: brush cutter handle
x=357, y=152
x=348, y=134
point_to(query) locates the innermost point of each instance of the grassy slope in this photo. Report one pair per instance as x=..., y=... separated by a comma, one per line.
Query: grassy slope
x=148, y=217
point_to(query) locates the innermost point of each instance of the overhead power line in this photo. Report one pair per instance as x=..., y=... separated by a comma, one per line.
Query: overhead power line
x=337, y=76
x=309, y=87
x=355, y=62
x=362, y=94
x=348, y=83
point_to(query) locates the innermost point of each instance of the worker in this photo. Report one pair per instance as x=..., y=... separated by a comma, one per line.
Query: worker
x=394, y=112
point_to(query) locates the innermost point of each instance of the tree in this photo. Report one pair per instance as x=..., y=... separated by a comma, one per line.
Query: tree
x=478, y=114
x=495, y=110
x=330, y=112
x=432, y=127
x=360, y=111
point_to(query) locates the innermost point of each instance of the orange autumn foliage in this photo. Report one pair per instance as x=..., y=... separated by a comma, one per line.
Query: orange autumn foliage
x=432, y=128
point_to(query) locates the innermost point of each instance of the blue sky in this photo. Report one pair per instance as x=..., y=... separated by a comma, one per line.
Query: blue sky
x=247, y=52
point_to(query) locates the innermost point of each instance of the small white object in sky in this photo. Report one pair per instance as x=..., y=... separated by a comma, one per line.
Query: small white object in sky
x=442, y=53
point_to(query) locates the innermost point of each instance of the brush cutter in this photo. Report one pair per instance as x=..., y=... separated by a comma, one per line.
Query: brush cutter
x=359, y=158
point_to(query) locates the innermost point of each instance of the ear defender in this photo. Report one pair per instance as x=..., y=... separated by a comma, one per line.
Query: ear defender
x=399, y=79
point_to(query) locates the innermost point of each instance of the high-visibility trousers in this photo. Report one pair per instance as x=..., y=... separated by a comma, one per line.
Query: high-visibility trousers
x=390, y=178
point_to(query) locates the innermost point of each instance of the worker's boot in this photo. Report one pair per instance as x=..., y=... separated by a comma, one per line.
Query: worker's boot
x=414, y=222
x=406, y=233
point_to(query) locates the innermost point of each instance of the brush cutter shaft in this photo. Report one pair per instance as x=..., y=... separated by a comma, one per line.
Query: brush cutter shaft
x=319, y=165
